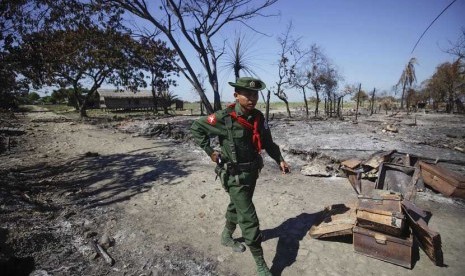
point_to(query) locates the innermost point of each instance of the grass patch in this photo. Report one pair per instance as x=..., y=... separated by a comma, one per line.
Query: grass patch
x=59, y=108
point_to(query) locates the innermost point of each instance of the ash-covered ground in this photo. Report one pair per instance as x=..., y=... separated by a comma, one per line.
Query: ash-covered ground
x=143, y=191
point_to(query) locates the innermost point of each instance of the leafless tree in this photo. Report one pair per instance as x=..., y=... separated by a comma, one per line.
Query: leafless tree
x=301, y=81
x=192, y=25
x=318, y=63
x=286, y=68
x=458, y=48
x=300, y=78
x=329, y=80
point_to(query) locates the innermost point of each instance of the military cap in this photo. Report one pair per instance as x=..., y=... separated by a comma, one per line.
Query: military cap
x=248, y=83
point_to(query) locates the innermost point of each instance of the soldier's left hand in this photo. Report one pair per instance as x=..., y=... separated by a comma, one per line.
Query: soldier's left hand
x=284, y=167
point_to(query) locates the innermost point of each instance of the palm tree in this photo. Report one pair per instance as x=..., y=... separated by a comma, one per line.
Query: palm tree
x=167, y=98
x=407, y=77
x=239, y=57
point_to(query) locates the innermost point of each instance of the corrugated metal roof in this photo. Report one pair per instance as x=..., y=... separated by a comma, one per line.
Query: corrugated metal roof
x=111, y=93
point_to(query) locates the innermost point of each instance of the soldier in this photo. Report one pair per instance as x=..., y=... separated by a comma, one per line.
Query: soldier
x=242, y=132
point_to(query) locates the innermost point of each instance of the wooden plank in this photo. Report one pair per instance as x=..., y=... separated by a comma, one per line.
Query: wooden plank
x=351, y=163
x=382, y=219
x=429, y=240
x=391, y=225
x=377, y=158
x=381, y=202
x=335, y=220
x=354, y=179
x=101, y=252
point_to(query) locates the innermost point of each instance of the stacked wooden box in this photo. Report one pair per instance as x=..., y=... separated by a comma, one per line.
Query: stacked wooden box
x=381, y=231
x=386, y=222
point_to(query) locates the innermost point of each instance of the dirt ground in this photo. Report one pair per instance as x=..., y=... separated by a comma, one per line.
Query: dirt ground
x=143, y=190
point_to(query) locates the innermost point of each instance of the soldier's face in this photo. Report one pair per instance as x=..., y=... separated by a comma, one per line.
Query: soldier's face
x=247, y=99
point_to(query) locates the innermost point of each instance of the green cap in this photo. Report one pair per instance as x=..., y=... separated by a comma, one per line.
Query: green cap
x=248, y=83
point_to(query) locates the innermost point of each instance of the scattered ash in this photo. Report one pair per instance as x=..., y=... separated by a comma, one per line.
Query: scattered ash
x=167, y=129
x=48, y=228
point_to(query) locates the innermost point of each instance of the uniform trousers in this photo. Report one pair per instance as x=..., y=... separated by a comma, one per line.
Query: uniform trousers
x=241, y=209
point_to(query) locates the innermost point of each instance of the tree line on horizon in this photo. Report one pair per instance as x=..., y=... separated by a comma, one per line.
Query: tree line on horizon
x=79, y=45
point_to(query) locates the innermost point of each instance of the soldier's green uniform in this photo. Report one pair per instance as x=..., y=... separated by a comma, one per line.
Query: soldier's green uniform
x=238, y=180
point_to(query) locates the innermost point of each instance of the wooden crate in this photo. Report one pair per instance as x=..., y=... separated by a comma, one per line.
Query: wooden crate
x=443, y=180
x=383, y=247
x=381, y=211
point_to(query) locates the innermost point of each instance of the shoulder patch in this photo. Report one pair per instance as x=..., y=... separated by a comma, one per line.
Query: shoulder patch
x=211, y=119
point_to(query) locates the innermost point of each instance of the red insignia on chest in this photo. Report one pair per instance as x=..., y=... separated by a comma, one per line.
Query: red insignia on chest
x=211, y=119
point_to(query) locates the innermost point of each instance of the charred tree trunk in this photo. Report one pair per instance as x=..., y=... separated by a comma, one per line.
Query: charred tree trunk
x=326, y=107
x=339, y=104
x=83, y=109
x=287, y=108
x=267, y=106
x=334, y=110
x=358, y=100
x=372, y=101
x=305, y=102
x=202, y=112
x=317, y=102
x=450, y=101
x=403, y=94
x=80, y=101
x=342, y=107
x=154, y=94
x=282, y=97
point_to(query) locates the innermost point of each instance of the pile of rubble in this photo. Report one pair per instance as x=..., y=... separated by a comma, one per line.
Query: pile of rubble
x=384, y=221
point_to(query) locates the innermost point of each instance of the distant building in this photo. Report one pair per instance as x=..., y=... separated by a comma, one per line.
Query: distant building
x=128, y=100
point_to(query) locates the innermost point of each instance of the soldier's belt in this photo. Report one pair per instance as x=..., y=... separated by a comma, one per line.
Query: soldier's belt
x=234, y=169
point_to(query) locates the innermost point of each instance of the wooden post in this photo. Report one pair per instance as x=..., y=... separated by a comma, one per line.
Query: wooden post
x=358, y=100
x=342, y=106
x=372, y=100
x=326, y=110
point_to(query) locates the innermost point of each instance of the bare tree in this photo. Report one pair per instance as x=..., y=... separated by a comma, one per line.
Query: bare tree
x=301, y=81
x=458, y=48
x=348, y=89
x=286, y=68
x=300, y=78
x=329, y=80
x=192, y=25
x=372, y=101
x=318, y=66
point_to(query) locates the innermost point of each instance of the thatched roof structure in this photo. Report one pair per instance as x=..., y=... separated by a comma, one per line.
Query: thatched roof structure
x=114, y=94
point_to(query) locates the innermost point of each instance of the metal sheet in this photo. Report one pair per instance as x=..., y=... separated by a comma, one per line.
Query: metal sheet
x=398, y=178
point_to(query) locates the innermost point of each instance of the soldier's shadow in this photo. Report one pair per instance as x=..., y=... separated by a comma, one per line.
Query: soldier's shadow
x=289, y=234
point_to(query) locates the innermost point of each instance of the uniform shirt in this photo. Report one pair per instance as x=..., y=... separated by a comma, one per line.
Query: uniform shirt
x=214, y=125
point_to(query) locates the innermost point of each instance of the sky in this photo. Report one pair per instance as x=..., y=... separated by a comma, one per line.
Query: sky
x=370, y=42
